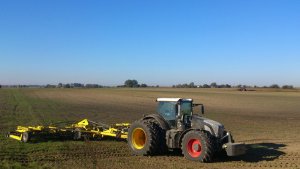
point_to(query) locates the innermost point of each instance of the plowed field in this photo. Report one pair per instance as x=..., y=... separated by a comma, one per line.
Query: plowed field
x=268, y=121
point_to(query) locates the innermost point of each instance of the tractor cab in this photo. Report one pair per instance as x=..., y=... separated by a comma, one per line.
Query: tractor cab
x=176, y=111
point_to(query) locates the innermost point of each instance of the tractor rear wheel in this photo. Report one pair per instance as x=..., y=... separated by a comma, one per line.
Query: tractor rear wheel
x=197, y=146
x=144, y=137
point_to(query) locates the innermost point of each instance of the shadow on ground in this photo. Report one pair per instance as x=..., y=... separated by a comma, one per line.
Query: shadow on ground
x=257, y=152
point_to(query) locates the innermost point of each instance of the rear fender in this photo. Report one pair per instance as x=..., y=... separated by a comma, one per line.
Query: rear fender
x=160, y=120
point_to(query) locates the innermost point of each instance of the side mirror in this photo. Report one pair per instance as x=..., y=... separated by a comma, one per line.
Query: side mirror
x=201, y=107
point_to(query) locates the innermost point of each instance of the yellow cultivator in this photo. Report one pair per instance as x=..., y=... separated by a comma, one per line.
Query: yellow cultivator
x=84, y=129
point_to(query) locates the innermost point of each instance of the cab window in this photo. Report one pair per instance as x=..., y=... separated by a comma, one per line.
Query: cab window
x=186, y=108
x=168, y=110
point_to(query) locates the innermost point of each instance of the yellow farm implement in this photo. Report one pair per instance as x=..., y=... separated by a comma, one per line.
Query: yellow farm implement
x=84, y=129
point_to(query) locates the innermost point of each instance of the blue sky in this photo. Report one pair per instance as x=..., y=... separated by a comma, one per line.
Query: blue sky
x=155, y=42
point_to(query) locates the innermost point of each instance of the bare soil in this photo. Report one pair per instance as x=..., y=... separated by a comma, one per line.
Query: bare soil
x=266, y=120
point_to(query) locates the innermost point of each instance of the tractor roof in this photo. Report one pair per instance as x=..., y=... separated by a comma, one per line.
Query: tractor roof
x=172, y=99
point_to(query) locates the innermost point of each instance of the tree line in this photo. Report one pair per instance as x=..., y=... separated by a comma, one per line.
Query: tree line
x=128, y=83
x=215, y=85
x=75, y=85
x=135, y=84
x=192, y=85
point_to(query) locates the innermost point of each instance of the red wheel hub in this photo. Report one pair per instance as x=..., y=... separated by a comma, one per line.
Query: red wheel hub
x=194, y=147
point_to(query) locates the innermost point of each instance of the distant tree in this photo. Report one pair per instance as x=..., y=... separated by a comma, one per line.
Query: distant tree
x=157, y=86
x=128, y=83
x=224, y=86
x=275, y=86
x=0, y=86
x=144, y=85
x=92, y=86
x=67, y=86
x=76, y=85
x=228, y=86
x=50, y=86
x=60, y=85
x=191, y=85
x=213, y=85
x=178, y=86
x=206, y=86
x=288, y=87
x=131, y=83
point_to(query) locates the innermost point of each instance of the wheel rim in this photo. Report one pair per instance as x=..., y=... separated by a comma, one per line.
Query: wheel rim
x=194, y=147
x=138, y=138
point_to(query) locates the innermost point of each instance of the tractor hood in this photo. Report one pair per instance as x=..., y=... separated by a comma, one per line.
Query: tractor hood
x=214, y=127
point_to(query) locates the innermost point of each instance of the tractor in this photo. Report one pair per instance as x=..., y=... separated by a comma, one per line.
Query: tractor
x=175, y=127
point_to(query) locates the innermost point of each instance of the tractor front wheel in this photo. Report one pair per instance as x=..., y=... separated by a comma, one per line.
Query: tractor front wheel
x=197, y=146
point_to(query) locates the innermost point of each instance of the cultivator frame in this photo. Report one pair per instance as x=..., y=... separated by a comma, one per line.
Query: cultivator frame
x=84, y=129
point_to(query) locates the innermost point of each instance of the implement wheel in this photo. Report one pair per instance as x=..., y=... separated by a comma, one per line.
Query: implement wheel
x=197, y=146
x=77, y=134
x=144, y=137
x=25, y=137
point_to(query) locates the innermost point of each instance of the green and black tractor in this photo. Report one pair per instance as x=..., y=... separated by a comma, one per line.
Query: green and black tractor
x=176, y=127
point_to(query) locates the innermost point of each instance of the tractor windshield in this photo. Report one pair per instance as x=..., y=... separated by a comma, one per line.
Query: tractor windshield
x=167, y=109
x=186, y=108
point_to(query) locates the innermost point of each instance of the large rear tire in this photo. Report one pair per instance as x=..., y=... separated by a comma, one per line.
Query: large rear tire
x=197, y=146
x=144, y=138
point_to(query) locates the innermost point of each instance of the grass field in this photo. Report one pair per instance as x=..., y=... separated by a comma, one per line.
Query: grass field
x=268, y=121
